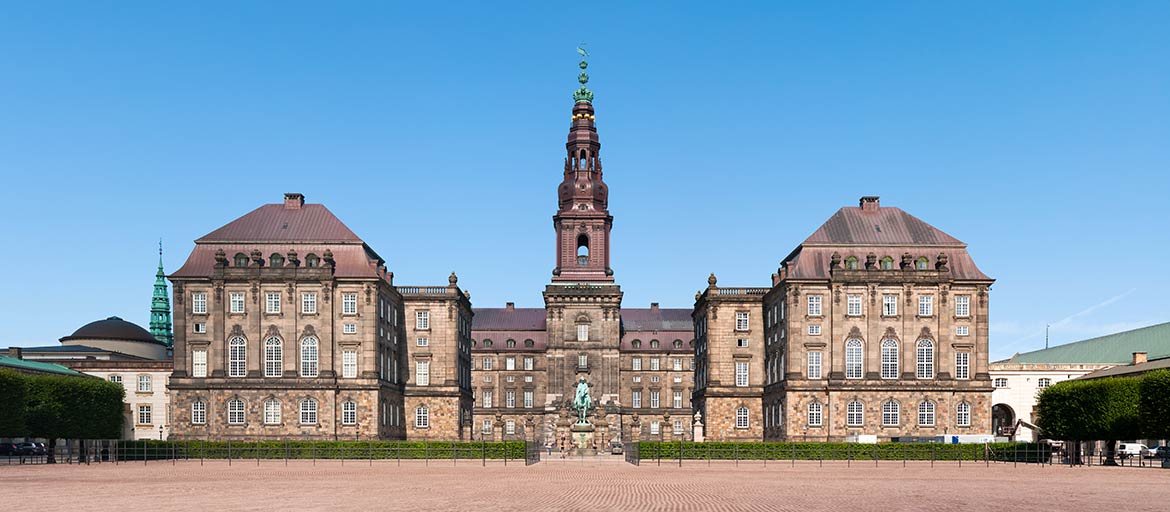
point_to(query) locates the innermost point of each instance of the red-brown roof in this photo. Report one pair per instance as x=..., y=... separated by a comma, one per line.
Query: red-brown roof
x=278, y=223
x=353, y=261
x=505, y=319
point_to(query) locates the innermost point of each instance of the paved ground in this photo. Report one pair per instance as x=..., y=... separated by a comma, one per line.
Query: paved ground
x=592, y=485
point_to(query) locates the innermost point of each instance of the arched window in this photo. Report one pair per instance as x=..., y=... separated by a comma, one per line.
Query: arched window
x=308, y=412
x=926, y=414
x=677, y=343
x=349, y=412
x=235, y=409
x=921, y=263
x=272, y=412
x=273, y=357
x=854, y=414
x=741, y=417
x=237, y=357
x=199, y=412
x=653, y=343
x=889, y=359
x=891, y=414
x=311, y=260
x=487, y=343
x=963, y=414
x=887, y=263
x=241, y=259
x=422, y=417
x=925, y=359
x=851, y=263
x=510, y=343
x=276, y=260
x=815, y=414
x=853, y=359
x=636, y=343
x=583, y=249
x=529, y=344
x=309, y=358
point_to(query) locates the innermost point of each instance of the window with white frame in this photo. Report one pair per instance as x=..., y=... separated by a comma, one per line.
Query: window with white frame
x=655, y=427
x=676, y=364
x=237, y=357
x=272, y=302
x=741, y=321
x=487, y=398
x=509, y=363
x=422, y=417
x=199, y=303
x=509, y=399
x=814, y=329
x=527, y=399
x=309, y=357
x=1043, y=382
x=199, y=412
x=486, y=427
x=962, y=306
x=678, y=403
x=422, y=373
x=814, y=305
x=273, y=357
x=961, y=330
x=583, y=332
x=582, y=360
x=309, y=412
x=889, y=305
x=349, y=303
x=527, y=378
x=925, y=359
x=854, y=414
x=235, y=410
x=963, y=414
x=678, y=427
x=962, y=365
x=309, y=303
x=853, y=305
x=349, y=328
x=349, y=364
x=1000, y=382
x=510, y=427
x=741, y=342
x=199, y=363
x=891, y=414
x=422, y=319
x=814, y=364
x=116, y=378
x=815, y=414
x=199, y=328
x=487, y=363
x=529, y=363
x=926, y=414
x=654, y=364
x=741, y=373
x=853, y=359
x=271, y=412
x=741, y=417
x=236, y=302
x=636, y=399
x=889, y=359
x=926, y=305
x=636, y=363
x=144, y=414
x=349, y=412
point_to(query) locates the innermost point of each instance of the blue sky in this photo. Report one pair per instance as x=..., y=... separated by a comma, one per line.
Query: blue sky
x=1039, y=134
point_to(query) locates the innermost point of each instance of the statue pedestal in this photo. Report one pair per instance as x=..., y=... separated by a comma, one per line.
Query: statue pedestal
x=583, y=439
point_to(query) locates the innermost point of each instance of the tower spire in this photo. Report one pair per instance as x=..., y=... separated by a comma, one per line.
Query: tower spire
x=583, y=94
x=160, y=305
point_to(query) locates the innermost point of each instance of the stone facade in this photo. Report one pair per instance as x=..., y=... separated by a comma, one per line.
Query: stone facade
x=729, y=361
x=438, y=352
x=147, y=414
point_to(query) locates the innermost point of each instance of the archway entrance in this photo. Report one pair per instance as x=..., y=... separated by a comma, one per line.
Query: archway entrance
x=1003, y=420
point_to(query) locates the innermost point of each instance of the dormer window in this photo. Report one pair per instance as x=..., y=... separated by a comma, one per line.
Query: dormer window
x=887, y=263
x=851, y=263
x=311, y=260
x=276, y=260
x=653, y=343
x=583, y=250
x=241, y=260
x=921, y=263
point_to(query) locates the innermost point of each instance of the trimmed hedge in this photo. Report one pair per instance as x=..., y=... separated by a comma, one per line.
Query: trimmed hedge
x=1100, y=409
x=60, y=407
x=162, y=450
x=1154, y=407
x=1004, y=452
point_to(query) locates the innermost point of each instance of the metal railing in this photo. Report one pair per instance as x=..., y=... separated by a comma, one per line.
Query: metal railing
x=847, y=454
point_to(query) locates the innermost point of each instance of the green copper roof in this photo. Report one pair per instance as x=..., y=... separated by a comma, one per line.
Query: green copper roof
x=160, y=306
x=583, y=94
x=36, y=366
x=1110, y=349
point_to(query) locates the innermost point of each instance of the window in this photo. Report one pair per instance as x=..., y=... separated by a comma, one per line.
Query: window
x=814, y=305
x=741, y=342
x=814, y=365
x=636, y=399
x=961, y=330
x=636, y=363
x=199, y=303
x=241, y=259
x=271, y=412
x=349, y=364
x=741, y=374
x=1043, y=383
x=926, y=414
x=309, y=359
x=853, y=305
x=676, y=364
x=655, y=427
x=486, y=427
x=309, y=303
x=199, y=412
x=272, y=302
x=199, y=328
x=854, y=414
x=814, y=329
x=529, y=363
x=199, y=362
x=655, y=400
x=741, y=321
x=677, y=400
x=487, y=363
x=309, y=412
x=853, y=359
x=312, y=261
x=889, y=359
x=678, y=427
x=636, y=343
x=487, y=398
x=235, y=409
x=349, y=303
x=422, y=417
x=921, y=263
x=815, y=414
x=144, y=414
x=677, y=343
x=510, y=427
x=510, y=399
x=1000, y=382
x=144, y=383
x=422, y=373
x=527, y=399
x=116, y=378
x=962, y=365
x=926, y=305
x=582, y=361
x=527, y=378
x=273, y=357
x=583, y=332
x=237, y=357
x=962, y=306
x=891, y=414
x=236, y=302
x=925, y=359
x=963, y=414
x=889, y=305
x=851, y=263
x=654, y=364
x=887, y=263
x=348, y=412
x=741, y=417
x=509, y=363
x=487, y=378
x=654, y=344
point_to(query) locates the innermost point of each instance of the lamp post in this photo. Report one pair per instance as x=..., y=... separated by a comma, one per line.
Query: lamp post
x=160, y=432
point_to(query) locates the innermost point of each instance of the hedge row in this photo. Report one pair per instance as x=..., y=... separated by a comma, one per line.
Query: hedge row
x=59, y=407
x=1006, y=452
x=1107, y=409
x=161, y=450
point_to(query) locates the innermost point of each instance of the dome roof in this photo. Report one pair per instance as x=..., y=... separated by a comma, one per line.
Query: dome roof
x=112, y=328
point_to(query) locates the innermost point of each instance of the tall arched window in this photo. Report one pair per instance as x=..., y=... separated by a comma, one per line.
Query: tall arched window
x=815, y=414
x=237, y=357
x=854, y=414
x=422, y=417
x=349, y=412
x=925, y=359
x=889, y=359
x=963, y=414
x=273, y=357
x=891, y=414
x=583, y=250
x=308, y=412
x=309, y=358
x=926, y=414
x=741, y=417
x=272, y=412
x=241, y=259
x=235, y=409
x=853, y=359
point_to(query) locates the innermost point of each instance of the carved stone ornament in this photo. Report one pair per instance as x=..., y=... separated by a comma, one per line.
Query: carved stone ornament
x=835, y=260
x=855, y=332
x=255, y=292
x=179, y=295
x=890, y=334
x=236, y=330
x=272, y=331
x=309, y=331
x=925, y=333
x=369, y=294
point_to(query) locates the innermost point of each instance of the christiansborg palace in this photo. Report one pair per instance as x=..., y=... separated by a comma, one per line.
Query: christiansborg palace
x=288, y=325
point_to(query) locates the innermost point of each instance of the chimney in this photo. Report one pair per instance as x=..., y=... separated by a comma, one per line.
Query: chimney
x=293, y=201
x=15, y=353
x=654, y=307
x=870, y=203
x=510, y=306
x=1138, y=358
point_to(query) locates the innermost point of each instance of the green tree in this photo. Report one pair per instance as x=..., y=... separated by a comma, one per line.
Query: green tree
x=1101, y=409
x=1154, y=404
x=73, y=408
x=12, y=396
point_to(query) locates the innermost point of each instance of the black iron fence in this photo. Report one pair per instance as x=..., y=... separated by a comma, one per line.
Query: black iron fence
x=633, y=451
x=531, y=453
x=1103, y=453
x=677, y=452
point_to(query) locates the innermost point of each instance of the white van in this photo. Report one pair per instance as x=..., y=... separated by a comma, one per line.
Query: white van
x=1127, y=450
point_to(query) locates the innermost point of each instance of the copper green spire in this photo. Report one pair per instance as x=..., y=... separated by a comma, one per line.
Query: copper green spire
x=583, y=94
x=160, y=306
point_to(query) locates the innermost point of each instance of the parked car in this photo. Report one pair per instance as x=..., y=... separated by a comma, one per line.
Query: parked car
x=10, y=449
x=1127, y=450
x=1156, y=452
x=615, y=448
x=29, y=448
x=42, y=449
